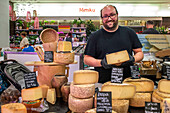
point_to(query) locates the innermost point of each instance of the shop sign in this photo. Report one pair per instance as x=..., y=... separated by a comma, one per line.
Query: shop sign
x=86, y=10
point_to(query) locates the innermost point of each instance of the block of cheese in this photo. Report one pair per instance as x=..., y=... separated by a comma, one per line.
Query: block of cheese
x=117, y=57
x=163, y=86
x=82, y=91
x=85, y=77
x=161, y=94
x=64, y=58
x=166, y=106
x=44, y=90
x=51, y=96
x=64, y=46
x=120, y=106
x=32, y=93
x=13, y=108
x=80, y=105
x=139, y=99
x=142, y=84
x=119, y=91
x=157, y=99
x=94, y=111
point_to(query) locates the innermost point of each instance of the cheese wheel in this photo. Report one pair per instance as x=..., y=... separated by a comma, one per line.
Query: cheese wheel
x=120, y=106
x=44, y=90
x=94, y=111
x=156, y=98
x=64, y=46
x=82, y=91
x=32, y=93
x=64, y=58
x=142, y=84
x=51, y=96
x=85, y=77
x=65, y=91
x=139, y=99
x=161, y=94
x=166, y=105
x=119, y=91
x=80, y=105
x=13, y=108
x=163, y=86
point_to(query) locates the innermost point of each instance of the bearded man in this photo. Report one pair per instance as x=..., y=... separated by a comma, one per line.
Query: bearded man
x=109, y=39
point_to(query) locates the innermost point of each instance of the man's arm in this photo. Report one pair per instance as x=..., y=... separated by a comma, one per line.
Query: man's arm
x=138, y=54
x=88, y=60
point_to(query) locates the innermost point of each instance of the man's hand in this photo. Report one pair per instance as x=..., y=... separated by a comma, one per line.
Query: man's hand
x=105, y=65
x=129, y=62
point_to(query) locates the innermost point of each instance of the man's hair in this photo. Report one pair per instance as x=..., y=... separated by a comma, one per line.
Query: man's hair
x=107, y=6
x=150, y=22
x=23, y=33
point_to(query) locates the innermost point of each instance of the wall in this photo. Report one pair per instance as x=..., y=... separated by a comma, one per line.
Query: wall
x=4, y=23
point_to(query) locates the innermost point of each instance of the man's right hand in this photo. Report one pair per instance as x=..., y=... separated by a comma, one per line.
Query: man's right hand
x=105, y=65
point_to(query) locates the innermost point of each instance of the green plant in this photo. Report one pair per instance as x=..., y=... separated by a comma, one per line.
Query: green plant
x=40, y=23
x=162, y=30
x=45, y=21
x=52, y=22
x=32, y=23
x=28, y=24
x=19, y=23
x=90, y=27
x=74, y=21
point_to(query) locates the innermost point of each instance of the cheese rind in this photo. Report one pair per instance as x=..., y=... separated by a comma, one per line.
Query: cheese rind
x=80, y=105
x=51, y=96
x=82, y=91
x=64, y=46
x=163, y=86
x=117, y=57
x=139, y=99
x=85, y=77
x=64, y=58
x=161, y=94
x=94, y=111
x=120, y=106
x=119, y=91
x=13, y=108
x=142, y=84
x=32, y=93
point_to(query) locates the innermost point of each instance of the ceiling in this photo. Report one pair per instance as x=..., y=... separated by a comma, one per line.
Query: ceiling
x=96, y=1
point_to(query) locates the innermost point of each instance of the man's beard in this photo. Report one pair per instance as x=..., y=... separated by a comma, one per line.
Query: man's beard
x=113, y=27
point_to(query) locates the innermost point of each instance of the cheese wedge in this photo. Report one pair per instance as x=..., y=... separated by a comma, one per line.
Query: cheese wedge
x=117, y=57
x=13, y=108
x=163, y=86
x=51, y=96
x=166, y=106
x=64, y=58
x=44, y=90
x=32, y=93
x=139, y=99
x=142, y=84
x=94, y=111
x=85, y=77
x=119, y=91
x=120, y=106
x=80, y=105
x=82, y=91
x=64, y=46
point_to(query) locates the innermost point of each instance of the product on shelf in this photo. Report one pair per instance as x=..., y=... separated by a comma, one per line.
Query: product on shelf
x=51, y=95
x=85, y=77
x=163, y=86
x=13, y=108
x=163, y=53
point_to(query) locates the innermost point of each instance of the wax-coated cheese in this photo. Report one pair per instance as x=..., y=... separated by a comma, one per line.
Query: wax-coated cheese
x=82, y=91
x=117, y=57
x=94, y=111
x=163, y=86
x=64, y=58
x=120, y=106
x=166, y=106
x=85, y=77
x=64, y=46
x=44, y=90
x=51, y=96
x=142, y=84
x=80, y=105
x=13, y=108
x=139, y=99
x=32, y=93
x=119, y=91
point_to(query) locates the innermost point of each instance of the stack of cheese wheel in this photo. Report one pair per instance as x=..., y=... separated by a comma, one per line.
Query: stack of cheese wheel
x=162, y=92
x=121, y=93
x=82, y=90
x=64, y=54
x=144, y=88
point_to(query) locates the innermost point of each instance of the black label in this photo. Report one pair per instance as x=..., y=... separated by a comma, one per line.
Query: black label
x=152, y=107
x=48, y=56
x=104, y=102
x=135, y=72
x=30, y=80
x=168, y=72
x=117, y=75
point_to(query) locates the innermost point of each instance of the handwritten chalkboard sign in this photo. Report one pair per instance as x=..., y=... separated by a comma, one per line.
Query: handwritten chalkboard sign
x=152, y=107
x=168, y=72
x=48, y=56
x=104, y=102
x=117, y=75
x=135, y=72
x=30, y=80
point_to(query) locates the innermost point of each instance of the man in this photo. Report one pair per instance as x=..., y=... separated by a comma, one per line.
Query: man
x=150, y=29
x=109, y=39
x=24, y=42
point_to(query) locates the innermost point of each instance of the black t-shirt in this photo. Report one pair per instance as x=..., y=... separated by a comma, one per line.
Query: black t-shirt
x=150, y=31
x=102, y=42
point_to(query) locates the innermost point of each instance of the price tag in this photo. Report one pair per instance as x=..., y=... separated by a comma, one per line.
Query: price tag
x=104, y=102
x=30, y=80
x=48, y=56
x=152, y=107
x=117, y=75
x=168, y=72
x=135, y=72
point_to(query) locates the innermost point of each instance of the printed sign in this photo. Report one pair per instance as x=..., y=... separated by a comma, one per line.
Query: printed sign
x=135, y=72
x=30, y=80
x=152, y=107
x=48, y=56
x=117, y=75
